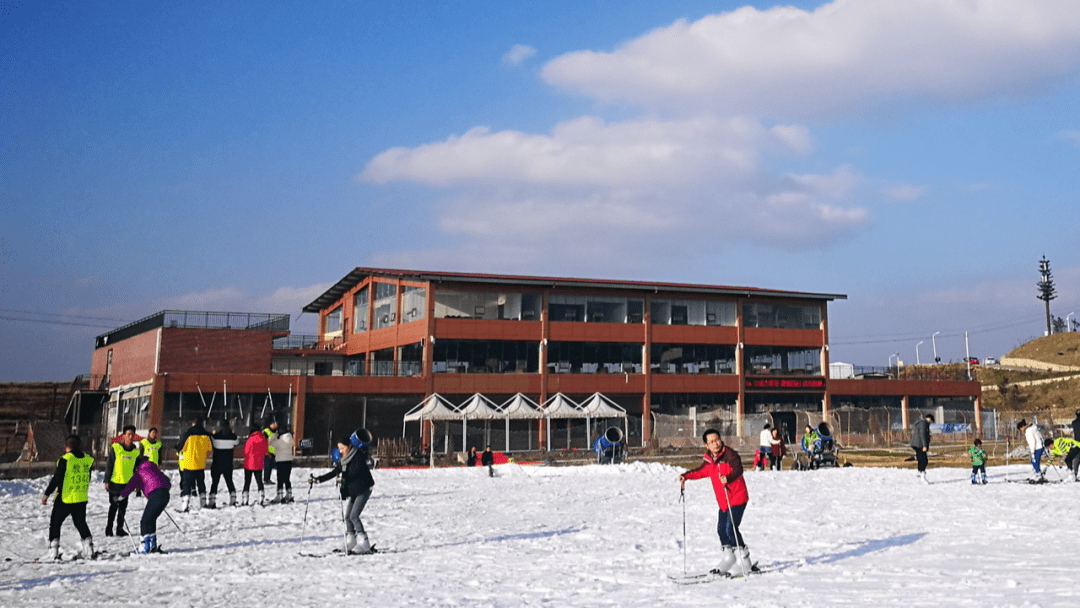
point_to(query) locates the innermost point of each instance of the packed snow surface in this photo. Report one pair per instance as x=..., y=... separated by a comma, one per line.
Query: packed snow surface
x=577, y=536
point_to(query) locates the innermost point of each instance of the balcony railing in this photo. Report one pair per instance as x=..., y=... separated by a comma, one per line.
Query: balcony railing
x=196, y=320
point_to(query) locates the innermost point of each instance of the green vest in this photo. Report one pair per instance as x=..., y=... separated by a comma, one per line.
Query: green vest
x=76, y=478
x=123, y=463
x=151, y=450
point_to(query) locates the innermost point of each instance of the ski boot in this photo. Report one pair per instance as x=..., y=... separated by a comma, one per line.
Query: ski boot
x=727, y=560
x=243, y=499
x=211, y=503
x=288, y=496
x=54, y=551
x=185, y=508
x=262, y=498
x=88, y=549
x=143, y=547
x=232, y=499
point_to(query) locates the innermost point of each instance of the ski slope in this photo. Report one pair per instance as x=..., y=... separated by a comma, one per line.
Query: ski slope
x=578, y=536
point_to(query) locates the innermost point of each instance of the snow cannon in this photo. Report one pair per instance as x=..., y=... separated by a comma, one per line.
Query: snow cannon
x=609, y=446
x=826, y=457
x=360, y=438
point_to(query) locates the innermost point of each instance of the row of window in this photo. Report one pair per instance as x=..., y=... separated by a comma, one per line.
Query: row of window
x=569, y=308
x=523, y=357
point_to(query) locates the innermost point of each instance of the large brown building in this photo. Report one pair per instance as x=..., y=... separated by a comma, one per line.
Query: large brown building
x=390, y=338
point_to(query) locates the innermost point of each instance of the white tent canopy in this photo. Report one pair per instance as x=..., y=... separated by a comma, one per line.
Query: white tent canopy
x=434, y=407
x=520, y=407
x=599, y=406
x=479, y=407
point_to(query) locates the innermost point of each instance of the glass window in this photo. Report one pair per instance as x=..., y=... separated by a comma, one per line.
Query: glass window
x=772, y=360
x=360, y=309
x=485, y=357
x=413, y=303
x=333, y=321
x=385, y=294
x=678, y=312
x=721, y=313
x=784, y=316
x=594, y=358
x=487, y=305
x=692, y=359
x=567, y=308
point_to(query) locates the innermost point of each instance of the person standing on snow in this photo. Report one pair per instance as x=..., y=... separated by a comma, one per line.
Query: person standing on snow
x=268, y=460
x=356, y=484
x=254, y=453
x=920, y=442
x=281, y=444
x=764, y=451
x=1068, y=450
x=1035, y=445
x=1076, y=426
x=223, y=441
x=978, y=461
x=118, y=468
x=155, y=485
x=192, y=450
x=487, y=459
x=722, y=465
x=778, y=450
x=150, y=446
x=71, y=482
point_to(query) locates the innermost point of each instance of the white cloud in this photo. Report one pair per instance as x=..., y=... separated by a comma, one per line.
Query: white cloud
x=786, y=62
x=904, y=193
x=518, y=54
x=1072, y=137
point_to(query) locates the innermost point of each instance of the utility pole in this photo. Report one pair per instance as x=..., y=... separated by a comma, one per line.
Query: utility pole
x=1046, y=290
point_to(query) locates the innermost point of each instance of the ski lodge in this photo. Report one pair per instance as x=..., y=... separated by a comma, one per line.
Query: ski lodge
x=446, y=360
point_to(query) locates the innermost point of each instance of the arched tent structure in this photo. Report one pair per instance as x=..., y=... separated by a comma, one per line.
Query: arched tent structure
x=519, y=407
x=560, y=406
x=599, y=406
x=435, y=407
x=477, y=407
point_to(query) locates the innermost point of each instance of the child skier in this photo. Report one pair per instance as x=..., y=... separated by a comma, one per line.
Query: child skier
x=978, y=461
x=254, y=454
x=722, y=465
x=356, y=484
x=71, y=482
x=222, y=441
x=155, y=485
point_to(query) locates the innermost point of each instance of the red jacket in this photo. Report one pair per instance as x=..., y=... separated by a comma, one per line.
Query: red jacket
x=728, y=465
x=254, y=451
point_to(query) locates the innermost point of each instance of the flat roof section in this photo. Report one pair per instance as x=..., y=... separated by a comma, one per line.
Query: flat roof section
x=359, y=274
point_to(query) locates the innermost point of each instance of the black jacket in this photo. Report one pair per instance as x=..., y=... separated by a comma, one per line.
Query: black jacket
x=356, y=476
x=487, y=458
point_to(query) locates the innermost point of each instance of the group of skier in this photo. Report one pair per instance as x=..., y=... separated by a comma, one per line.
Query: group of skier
x=133, y=466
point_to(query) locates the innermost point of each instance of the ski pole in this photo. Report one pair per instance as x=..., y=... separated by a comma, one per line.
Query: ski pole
x=307, y=501
x=166, y=512
x=682, y=499
x=344, y=529
x=134, y=547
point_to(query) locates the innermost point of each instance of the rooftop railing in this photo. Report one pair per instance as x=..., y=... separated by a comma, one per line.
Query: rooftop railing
x=197, y=320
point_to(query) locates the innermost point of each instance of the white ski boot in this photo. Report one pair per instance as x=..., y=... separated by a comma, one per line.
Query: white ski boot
x=54, y=551
x=727, y=560
x=88, y=548
x=232, y=499
x=742, y=566
x=212, y=502
x=187, y=504
x=244, y=499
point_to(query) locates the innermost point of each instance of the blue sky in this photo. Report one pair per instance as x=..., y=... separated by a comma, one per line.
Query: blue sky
x=919, y=156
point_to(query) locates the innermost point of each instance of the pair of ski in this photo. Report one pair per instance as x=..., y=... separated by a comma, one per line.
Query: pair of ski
x=341, y=552
x=712, y=575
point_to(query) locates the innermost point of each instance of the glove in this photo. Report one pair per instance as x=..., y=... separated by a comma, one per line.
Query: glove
x=114, y=499
x=311, y=480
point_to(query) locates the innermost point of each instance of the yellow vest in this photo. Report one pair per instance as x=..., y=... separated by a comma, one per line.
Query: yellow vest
x=76, y=478
x=269, y=433
x=123, y=463
x=152, y=450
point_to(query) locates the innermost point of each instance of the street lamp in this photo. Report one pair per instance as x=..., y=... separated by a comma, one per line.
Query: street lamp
x=917, y=352
x=937, y=359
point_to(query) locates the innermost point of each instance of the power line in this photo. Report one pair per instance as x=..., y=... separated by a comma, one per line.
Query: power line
x=61, y=315
x=55, y=322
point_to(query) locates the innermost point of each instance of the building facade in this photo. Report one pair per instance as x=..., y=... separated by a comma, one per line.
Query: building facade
x=390, y=338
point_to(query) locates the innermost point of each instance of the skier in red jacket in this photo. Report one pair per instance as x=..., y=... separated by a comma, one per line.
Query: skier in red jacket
x=254, y=455
x=722, y=465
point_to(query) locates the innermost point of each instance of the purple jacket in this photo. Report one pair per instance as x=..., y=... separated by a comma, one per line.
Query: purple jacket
x=147, y=477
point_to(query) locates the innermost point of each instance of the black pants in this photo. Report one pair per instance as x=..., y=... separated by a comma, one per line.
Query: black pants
x=920, y=458
x=117, y=507
x=155, y=504
x=216, y=473
x=60, y=512
x=284, y=473
x=248, y=474
x=1072, y=460
x=268, y=467
x=189, y=480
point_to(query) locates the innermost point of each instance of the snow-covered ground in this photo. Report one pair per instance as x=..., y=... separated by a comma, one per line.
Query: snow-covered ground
x=580, y=536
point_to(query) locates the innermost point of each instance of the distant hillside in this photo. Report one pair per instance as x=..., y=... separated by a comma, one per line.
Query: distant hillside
x=1058, y=349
